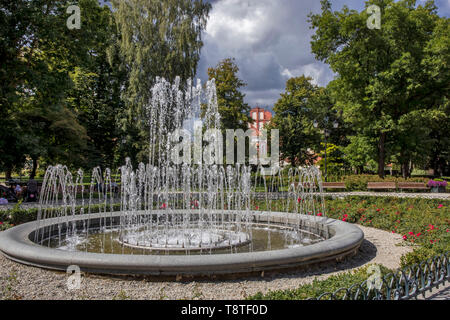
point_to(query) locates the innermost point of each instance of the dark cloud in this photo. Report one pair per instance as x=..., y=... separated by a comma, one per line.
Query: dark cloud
x=270, y=41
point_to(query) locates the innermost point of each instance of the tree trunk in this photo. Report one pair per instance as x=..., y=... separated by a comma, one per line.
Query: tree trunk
x=34, y=169
x=381, y=155
x=405, y=169
x=8, y=174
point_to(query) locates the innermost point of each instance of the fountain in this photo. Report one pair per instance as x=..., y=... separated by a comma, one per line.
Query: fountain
x=174, y=217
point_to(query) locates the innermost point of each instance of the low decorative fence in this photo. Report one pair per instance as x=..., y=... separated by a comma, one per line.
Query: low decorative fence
x=407, y=283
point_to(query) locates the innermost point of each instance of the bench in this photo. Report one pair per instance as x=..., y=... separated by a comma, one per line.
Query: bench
x=381, y=186
x=412, y=186
x=306, y=185
x=334, y=185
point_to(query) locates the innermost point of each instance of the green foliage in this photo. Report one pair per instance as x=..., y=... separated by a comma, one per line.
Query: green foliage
x=319, y=287
x=335, y=160
x=424, y=223
x=390, y=82
x=294, y=116
x=234, y=112
x=359, y=182
x=157, y=39
x=18, y=215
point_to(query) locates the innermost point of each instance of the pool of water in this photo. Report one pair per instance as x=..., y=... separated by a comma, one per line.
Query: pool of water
x=258, y=237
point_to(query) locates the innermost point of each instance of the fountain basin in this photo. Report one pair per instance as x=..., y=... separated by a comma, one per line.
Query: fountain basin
x=343, y=239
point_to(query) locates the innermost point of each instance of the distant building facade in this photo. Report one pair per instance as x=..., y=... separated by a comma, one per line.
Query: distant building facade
x=261, y=117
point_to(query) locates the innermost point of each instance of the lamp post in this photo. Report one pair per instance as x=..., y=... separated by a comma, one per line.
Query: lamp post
x=326, y=132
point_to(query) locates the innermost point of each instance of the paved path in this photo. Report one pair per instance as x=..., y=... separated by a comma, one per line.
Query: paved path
x=443, y=293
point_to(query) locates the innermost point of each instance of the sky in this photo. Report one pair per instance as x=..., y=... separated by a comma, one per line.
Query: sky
x=270, y=41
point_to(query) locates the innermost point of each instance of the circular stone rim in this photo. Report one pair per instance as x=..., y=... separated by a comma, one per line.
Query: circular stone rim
x=345, y=240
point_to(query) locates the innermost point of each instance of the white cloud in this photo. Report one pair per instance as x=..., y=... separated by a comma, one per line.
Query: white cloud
x=269, y=40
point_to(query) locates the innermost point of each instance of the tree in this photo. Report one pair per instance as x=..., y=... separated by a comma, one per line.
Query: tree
x=34, y=79
x=157, y=39
x=381, y=74
x=234, y=112
x=63, y=93
x=294, y=116
x=97, y=86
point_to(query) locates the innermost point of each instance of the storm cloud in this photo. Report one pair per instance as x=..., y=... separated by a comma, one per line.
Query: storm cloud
x=270, y=41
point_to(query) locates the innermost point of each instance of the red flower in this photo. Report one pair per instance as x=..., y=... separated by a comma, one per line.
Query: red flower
x=164, y=206
x=299, y=199
x=440, y=206
x=256, y=208
x=419, y=234
x=319, y=214
x=411, y=233
x=405, y=237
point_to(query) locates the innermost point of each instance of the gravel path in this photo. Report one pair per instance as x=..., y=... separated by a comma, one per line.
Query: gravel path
x=443, y=293
x=22, y=282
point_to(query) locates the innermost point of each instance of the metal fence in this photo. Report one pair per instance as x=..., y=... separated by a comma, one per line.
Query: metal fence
x=404, y=284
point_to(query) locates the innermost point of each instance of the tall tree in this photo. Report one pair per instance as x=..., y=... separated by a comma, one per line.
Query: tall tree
x=157, y=39
x=34, y=78
x=97, y=86
x=294, y=116
x=234, y=112
x=380, y=73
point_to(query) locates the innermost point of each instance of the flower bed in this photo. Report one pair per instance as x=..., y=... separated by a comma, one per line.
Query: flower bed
x=424, y=223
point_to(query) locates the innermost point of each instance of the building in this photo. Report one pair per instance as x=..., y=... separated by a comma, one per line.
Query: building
x=260, y=117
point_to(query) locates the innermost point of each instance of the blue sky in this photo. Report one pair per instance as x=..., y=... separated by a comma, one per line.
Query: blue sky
x=270, y=40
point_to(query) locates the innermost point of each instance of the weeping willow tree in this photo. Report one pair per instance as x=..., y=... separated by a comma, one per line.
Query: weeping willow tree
x=157, y=39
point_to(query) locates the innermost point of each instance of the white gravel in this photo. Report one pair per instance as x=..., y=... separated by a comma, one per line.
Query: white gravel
x=22, y=282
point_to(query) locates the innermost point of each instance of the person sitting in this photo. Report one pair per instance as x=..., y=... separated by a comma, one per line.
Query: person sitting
x=18, y=190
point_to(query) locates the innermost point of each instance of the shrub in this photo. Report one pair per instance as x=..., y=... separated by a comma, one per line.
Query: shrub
x=319, y=287
x=422, y=222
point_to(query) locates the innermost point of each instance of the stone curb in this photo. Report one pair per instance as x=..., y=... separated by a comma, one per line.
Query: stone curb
x=346, y=238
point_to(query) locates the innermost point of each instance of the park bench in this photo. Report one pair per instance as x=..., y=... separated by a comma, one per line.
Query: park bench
x=334, y=185
x=381, y=186
x=306, y=185
x=412, y=186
